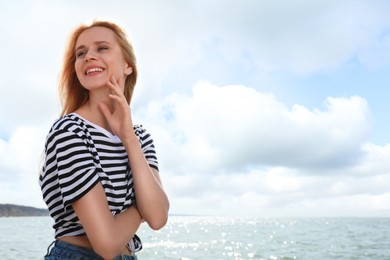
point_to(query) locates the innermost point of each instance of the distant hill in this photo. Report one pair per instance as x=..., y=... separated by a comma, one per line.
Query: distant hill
x=11, y=210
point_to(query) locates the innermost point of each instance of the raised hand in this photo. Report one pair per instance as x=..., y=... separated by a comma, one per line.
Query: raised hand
x=119, y=119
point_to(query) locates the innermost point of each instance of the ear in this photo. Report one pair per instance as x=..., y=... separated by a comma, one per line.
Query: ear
x=128, y=70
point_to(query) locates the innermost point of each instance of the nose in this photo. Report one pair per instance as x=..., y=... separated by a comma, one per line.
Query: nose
x=89, y=56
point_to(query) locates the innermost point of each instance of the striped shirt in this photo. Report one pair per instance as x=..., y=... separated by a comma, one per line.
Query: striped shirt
x=78, y=155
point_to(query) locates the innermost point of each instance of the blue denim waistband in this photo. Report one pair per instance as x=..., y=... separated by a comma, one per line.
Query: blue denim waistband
x=62, y=250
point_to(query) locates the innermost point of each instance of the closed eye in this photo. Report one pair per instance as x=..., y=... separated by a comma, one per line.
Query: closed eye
x=102, y=48
x=80, y=54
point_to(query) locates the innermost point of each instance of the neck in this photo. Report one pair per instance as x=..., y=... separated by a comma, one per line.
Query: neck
x=91, y=110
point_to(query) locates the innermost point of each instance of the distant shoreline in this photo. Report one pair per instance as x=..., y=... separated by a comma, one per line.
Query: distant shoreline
x=12, y=210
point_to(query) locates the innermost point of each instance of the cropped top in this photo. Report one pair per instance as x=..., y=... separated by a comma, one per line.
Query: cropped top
x=78, y=155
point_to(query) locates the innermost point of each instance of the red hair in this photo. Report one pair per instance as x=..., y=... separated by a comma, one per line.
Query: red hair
x=73, y=95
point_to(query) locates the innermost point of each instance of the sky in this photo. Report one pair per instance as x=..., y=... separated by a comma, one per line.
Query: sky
x=257, y=108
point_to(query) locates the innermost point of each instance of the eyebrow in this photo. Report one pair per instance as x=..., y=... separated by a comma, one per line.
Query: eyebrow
x=95, y=43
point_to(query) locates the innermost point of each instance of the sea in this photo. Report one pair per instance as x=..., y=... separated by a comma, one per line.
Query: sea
x=199, y=237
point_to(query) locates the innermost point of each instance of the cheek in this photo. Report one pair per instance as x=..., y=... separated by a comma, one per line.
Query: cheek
x=77, y=68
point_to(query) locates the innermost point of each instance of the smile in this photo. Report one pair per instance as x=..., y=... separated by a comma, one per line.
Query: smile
x=93, y=70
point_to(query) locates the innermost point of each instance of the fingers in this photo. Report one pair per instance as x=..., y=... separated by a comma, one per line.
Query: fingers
x=117, y=94
x=114, y=85
x=117, y=91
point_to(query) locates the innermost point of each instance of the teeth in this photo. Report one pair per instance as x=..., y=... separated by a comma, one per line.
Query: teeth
x=93, y=70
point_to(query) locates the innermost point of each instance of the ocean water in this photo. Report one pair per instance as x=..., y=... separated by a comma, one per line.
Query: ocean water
x=211, y=238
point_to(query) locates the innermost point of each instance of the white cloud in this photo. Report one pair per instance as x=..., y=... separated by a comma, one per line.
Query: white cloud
x=235, y=150
x=376, y=159
x=279, y=192
x=300, y=37
x=19, y=160
x=236, y=127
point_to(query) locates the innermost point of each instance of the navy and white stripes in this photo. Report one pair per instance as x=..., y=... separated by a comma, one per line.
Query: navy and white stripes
x=78, y=155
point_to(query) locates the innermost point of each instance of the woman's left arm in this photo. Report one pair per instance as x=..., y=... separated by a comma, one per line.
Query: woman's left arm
x=151, y=199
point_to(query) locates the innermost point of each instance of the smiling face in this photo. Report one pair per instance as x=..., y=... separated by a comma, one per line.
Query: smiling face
x=98, y=57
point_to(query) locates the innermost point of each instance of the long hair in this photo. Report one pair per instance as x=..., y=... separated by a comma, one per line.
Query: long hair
x=72, y=94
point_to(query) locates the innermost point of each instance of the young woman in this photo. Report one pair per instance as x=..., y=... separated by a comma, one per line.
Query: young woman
x=100, y=176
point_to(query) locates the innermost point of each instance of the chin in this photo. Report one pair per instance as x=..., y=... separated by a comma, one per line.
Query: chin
x=92, y=87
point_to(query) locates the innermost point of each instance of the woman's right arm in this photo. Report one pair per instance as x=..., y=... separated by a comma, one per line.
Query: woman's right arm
x=107, y=234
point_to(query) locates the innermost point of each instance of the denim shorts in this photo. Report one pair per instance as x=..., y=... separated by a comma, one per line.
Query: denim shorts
x=65, y=251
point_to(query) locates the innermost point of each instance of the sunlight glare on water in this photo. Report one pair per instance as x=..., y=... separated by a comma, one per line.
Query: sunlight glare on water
x=190, y=237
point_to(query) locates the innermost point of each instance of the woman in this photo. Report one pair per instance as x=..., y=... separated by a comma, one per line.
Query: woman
x=100, y=175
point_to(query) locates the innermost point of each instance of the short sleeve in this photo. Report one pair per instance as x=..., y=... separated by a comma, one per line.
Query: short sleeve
x=147, y=146
x=75, y=158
